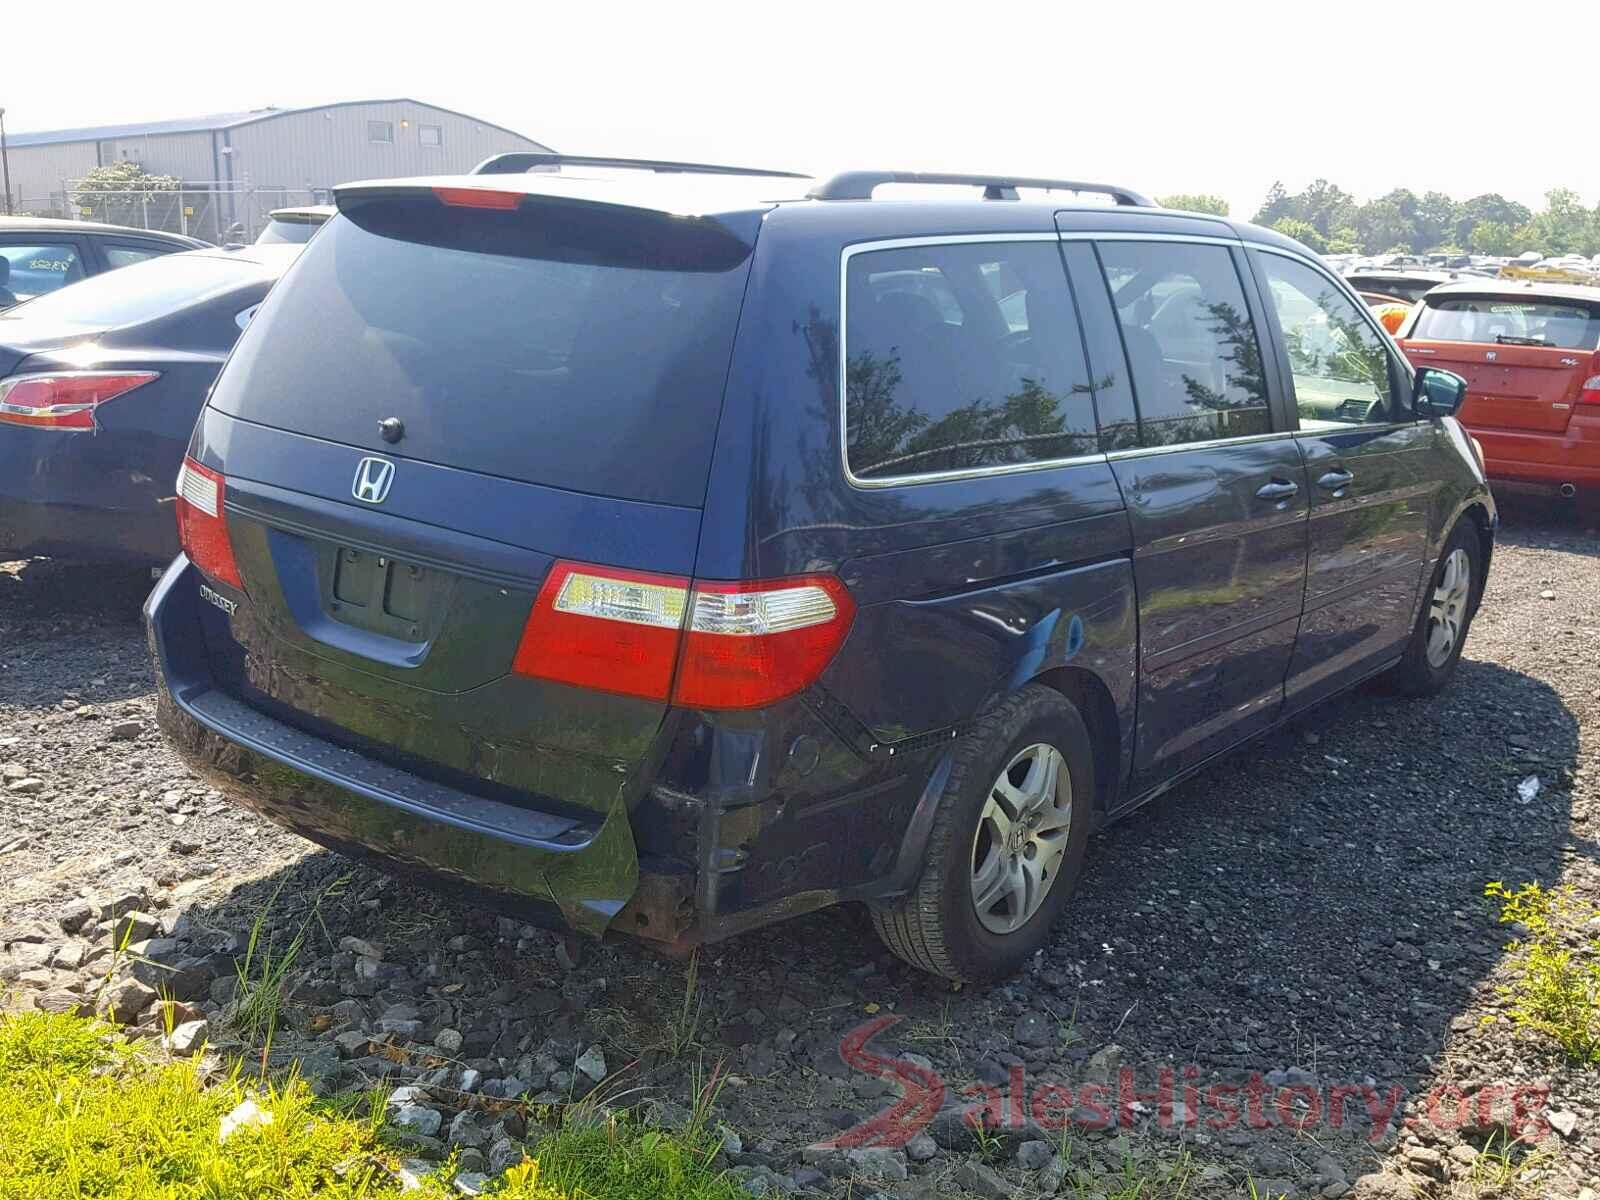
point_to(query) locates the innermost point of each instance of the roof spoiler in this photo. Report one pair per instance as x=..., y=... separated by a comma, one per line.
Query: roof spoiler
x=859, y=185
x=521, y=162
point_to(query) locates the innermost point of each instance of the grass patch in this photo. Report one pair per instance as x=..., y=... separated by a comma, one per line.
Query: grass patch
x=1555, y=967
x=85, y=1114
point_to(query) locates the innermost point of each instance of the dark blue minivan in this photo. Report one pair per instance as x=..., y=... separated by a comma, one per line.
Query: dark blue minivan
x=669, y=550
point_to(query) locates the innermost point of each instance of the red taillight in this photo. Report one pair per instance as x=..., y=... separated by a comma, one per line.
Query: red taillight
x=1591, y=391
x=750, y=644
x=64, y=399
x=202, y=525
x=470, y=197
x=735, y=645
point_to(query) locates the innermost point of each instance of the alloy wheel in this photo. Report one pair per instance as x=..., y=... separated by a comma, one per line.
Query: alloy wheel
x=1021, y=837
x=1448, y=608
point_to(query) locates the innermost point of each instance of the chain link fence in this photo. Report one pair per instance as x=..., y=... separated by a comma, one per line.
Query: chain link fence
x=218, y=213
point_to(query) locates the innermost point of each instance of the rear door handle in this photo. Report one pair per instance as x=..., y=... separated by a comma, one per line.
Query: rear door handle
x=1278, y=489
x=1336, y=480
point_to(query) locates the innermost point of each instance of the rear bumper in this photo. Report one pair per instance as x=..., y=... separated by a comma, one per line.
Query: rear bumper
x=545, y=865
x=1545, y=458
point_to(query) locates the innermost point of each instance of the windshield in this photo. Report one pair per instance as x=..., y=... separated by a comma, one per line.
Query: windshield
x=137, y=293
x=1566, y=326
x=504, y=345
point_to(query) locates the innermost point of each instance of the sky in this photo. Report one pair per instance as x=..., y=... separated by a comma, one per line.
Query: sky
x=1220, y=97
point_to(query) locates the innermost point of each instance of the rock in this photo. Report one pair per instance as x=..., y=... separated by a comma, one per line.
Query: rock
x=59, y=1000
x=983, y=1181
x=74, y=915
x=69, y=956
x=666, y=1114
x=878, y=1164
x=465, y=1131
x=1547, y=594
x=1380, y=1186
x=135, y=926
x=351, y=1044
x=921, y=1148
x=504, y=1153
x=26, y=786
x=1425, y=1161
x=125, y=1000
x=361, y=948
x=1032, y=1029
x=115, y=904
x=413, y=1172
x=414, y=1118
x=186, y=1038
x=448, y=1041
x=245, y=1115
x=126, y=731
x=1033, y=1156
x=472, y=1183
x=1104, y=1063
x=592, y=1062
x=1564, y=1123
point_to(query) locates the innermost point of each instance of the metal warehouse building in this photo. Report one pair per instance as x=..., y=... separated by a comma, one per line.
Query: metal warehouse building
x=235, y=167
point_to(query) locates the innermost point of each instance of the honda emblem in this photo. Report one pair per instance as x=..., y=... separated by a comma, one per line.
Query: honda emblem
x=373, y=477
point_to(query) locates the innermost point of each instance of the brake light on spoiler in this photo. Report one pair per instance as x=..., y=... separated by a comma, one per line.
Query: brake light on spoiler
x=698, y=643
x=202, y=525
x=64, y=399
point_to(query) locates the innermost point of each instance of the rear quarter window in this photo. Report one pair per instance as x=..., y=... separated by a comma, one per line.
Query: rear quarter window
x=960, y=358
x=140, y=292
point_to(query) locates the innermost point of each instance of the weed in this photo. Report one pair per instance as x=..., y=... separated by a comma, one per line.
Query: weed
x=1555, y=988
x=264, y=968
x=684, y=1029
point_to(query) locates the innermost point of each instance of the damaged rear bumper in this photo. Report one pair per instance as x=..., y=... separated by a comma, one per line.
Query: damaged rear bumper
x=543, y=864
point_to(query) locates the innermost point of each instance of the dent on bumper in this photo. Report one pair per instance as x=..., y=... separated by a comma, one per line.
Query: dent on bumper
x=339, y=798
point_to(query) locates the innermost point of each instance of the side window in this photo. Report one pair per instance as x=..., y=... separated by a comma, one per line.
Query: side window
x=33, y=269
x=128, y=254
x=962, y=357
x=1338, y=361
x=1192, y=347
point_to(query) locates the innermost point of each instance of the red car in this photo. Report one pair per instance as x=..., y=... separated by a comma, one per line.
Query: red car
x=1530, y=353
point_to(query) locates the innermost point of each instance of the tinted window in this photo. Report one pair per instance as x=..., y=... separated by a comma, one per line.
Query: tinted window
x=556, y=370
x=142, y=291
x=33, y=269
x=960, y=357
x=291, y=231
x=126, y=256
x=1338, y=362
x=1191, y=343
x=1509, y=322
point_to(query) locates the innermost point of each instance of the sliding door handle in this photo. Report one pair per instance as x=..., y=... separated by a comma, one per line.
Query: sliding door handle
x=1278, y=489
x=1335, y=480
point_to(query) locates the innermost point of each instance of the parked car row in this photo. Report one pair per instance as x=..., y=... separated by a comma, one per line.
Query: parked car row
x=669, y=549
x=40, y=255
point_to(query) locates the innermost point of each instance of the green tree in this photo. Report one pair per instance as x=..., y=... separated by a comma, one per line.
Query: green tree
x=1275, y=207
x=1493, y=208
x=122, y=193
x=1194, y=202
x=1565, y=226
x=1434, y=221
x=1492, y=237
x=1303, y=232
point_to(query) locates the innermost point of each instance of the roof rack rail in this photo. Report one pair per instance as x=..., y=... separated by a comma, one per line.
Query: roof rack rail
x=859, y=185
x=519, y=162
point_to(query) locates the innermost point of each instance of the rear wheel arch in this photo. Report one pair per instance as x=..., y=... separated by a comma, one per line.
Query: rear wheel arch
x=1088, y=693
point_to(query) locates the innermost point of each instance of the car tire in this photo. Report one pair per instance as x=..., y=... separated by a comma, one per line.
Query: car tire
x=938, y=926
x=1448, y=607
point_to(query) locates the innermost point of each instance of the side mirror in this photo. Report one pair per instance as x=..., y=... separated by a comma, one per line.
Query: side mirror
x=1439, y=393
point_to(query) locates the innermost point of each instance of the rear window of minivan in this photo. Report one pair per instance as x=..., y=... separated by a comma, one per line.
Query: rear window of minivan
x=501, y=349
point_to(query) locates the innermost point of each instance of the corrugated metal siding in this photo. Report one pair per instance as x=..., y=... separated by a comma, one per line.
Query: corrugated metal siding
x=321, y=148
x=186, y=155
x=37, y=171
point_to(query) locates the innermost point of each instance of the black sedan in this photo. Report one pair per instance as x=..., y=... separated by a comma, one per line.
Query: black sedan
x=99, y=388
x=39, y=255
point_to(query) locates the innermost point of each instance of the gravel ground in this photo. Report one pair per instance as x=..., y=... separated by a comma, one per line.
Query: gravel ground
x=1308, y=915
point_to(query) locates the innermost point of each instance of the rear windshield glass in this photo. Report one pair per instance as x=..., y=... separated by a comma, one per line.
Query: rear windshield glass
x=138, y=293
x=1509, y=323
x=294, y=230
x=555, y=370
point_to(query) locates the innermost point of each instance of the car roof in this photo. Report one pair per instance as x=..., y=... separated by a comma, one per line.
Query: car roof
x=1517, y=289
x=692, y=194
x=273, y=257
x=57, y=225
